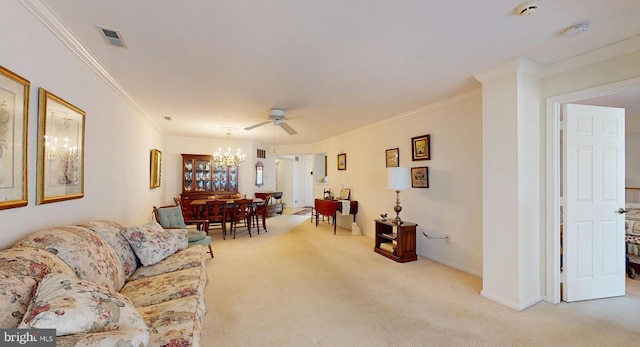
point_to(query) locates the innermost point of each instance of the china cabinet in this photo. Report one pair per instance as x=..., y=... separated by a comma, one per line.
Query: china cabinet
x=202, y=178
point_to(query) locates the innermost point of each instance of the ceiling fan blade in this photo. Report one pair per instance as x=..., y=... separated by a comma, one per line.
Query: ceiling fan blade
x=257, y=125
x=287, y=128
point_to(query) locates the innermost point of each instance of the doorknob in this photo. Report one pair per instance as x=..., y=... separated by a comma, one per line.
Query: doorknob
x=622, y=210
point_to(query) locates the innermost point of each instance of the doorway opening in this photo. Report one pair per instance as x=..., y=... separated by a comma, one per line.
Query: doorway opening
x=554, y=169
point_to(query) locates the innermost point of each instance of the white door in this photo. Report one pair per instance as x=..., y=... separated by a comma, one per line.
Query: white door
x=308, y=183
x=593, y=237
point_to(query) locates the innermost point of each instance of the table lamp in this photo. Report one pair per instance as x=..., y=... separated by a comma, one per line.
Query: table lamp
x=398, y=179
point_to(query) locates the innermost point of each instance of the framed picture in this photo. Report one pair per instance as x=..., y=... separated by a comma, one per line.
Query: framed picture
x=392, y=157
x=156, y=168
x=60, y=149
x=342, y=161
x=420, y=148
x=14, y=118
x=420, y=177
x=345, y=194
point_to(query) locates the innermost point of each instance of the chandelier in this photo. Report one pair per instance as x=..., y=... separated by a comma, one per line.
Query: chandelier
x=226, y=158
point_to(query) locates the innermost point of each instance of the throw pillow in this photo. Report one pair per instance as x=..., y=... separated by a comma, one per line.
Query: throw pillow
x=150, y=242
x=181, y=236
x=15, y=294
x=71, y=306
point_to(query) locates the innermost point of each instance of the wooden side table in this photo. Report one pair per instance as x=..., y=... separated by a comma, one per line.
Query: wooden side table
x=396, y=242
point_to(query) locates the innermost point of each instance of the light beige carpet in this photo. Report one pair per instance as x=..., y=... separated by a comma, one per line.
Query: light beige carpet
x=299, y=285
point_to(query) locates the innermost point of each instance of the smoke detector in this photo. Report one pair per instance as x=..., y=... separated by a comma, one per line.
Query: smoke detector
x=576, y=30
x=528, y=8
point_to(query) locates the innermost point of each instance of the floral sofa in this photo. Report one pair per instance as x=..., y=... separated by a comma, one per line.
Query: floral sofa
x=103, y=284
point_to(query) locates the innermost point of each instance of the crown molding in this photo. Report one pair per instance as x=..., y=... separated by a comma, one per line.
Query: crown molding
x=613, y=50
x=522, y=64
x=43, y=13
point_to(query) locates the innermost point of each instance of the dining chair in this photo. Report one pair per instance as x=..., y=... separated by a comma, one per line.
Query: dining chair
x=216, y=214
x=261, y=210
x=170, y=217
x=241, y=212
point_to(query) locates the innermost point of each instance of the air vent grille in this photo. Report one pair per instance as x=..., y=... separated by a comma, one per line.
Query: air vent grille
x=113, y=37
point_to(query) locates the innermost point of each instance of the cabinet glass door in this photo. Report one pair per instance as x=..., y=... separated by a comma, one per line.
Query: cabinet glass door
x=188, y=176
x=233, y=178
x=220, y=177
x=202, y=175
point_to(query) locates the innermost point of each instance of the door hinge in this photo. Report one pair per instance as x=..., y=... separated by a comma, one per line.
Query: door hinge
x=563, y=125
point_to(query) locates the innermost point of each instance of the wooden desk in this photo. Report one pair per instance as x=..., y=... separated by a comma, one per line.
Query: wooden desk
x=330, y=208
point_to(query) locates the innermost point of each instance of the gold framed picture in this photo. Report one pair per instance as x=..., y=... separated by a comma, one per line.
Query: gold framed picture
x=155, y=168
x=60, y=149
x=420, y=148
x=342, y=161
x=392, y=157
x=14, y=119
x=420, y=177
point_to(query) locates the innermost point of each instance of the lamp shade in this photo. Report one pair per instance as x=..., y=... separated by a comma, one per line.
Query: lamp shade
x=398, y=178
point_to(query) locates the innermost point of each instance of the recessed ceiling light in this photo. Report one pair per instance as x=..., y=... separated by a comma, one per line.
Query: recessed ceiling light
x=528, y=8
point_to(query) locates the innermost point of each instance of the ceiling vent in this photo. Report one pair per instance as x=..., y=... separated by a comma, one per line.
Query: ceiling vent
x=528, y=8
x=113, y=37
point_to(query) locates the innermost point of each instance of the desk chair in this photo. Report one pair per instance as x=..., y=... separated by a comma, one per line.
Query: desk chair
x=170, y=217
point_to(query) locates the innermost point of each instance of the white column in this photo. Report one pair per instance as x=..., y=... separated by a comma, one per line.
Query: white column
x=511, y=183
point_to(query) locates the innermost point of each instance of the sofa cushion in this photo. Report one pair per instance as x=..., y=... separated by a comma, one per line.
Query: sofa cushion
x=181, y=236
x=84, y=251
x=15, y=293
x=165, y=287
x=110, y=232
x=190, y=257
x=33, y=262
x=150, y=242
x=175, y=323
x=118, y=338
x=72, y=306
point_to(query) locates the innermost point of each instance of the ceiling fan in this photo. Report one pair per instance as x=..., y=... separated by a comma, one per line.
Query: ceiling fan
x=276, y=116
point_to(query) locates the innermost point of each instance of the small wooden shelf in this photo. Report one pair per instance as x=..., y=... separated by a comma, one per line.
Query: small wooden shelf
x=402, y=240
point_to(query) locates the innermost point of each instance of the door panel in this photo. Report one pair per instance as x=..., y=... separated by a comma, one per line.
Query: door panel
x=594, y=190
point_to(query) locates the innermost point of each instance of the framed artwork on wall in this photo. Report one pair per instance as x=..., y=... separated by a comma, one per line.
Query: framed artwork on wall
x=60, y=149
x=14, y=119
x=155, y=168
x=420, y=148
x=342, y=161
x=420, y=177
x=392, y=157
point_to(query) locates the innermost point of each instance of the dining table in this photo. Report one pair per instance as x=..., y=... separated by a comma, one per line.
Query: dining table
x=198, y=205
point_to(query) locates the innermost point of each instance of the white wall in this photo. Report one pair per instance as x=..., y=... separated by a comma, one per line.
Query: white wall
x=453, y=203
x=632, y=153
x=118, y=136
